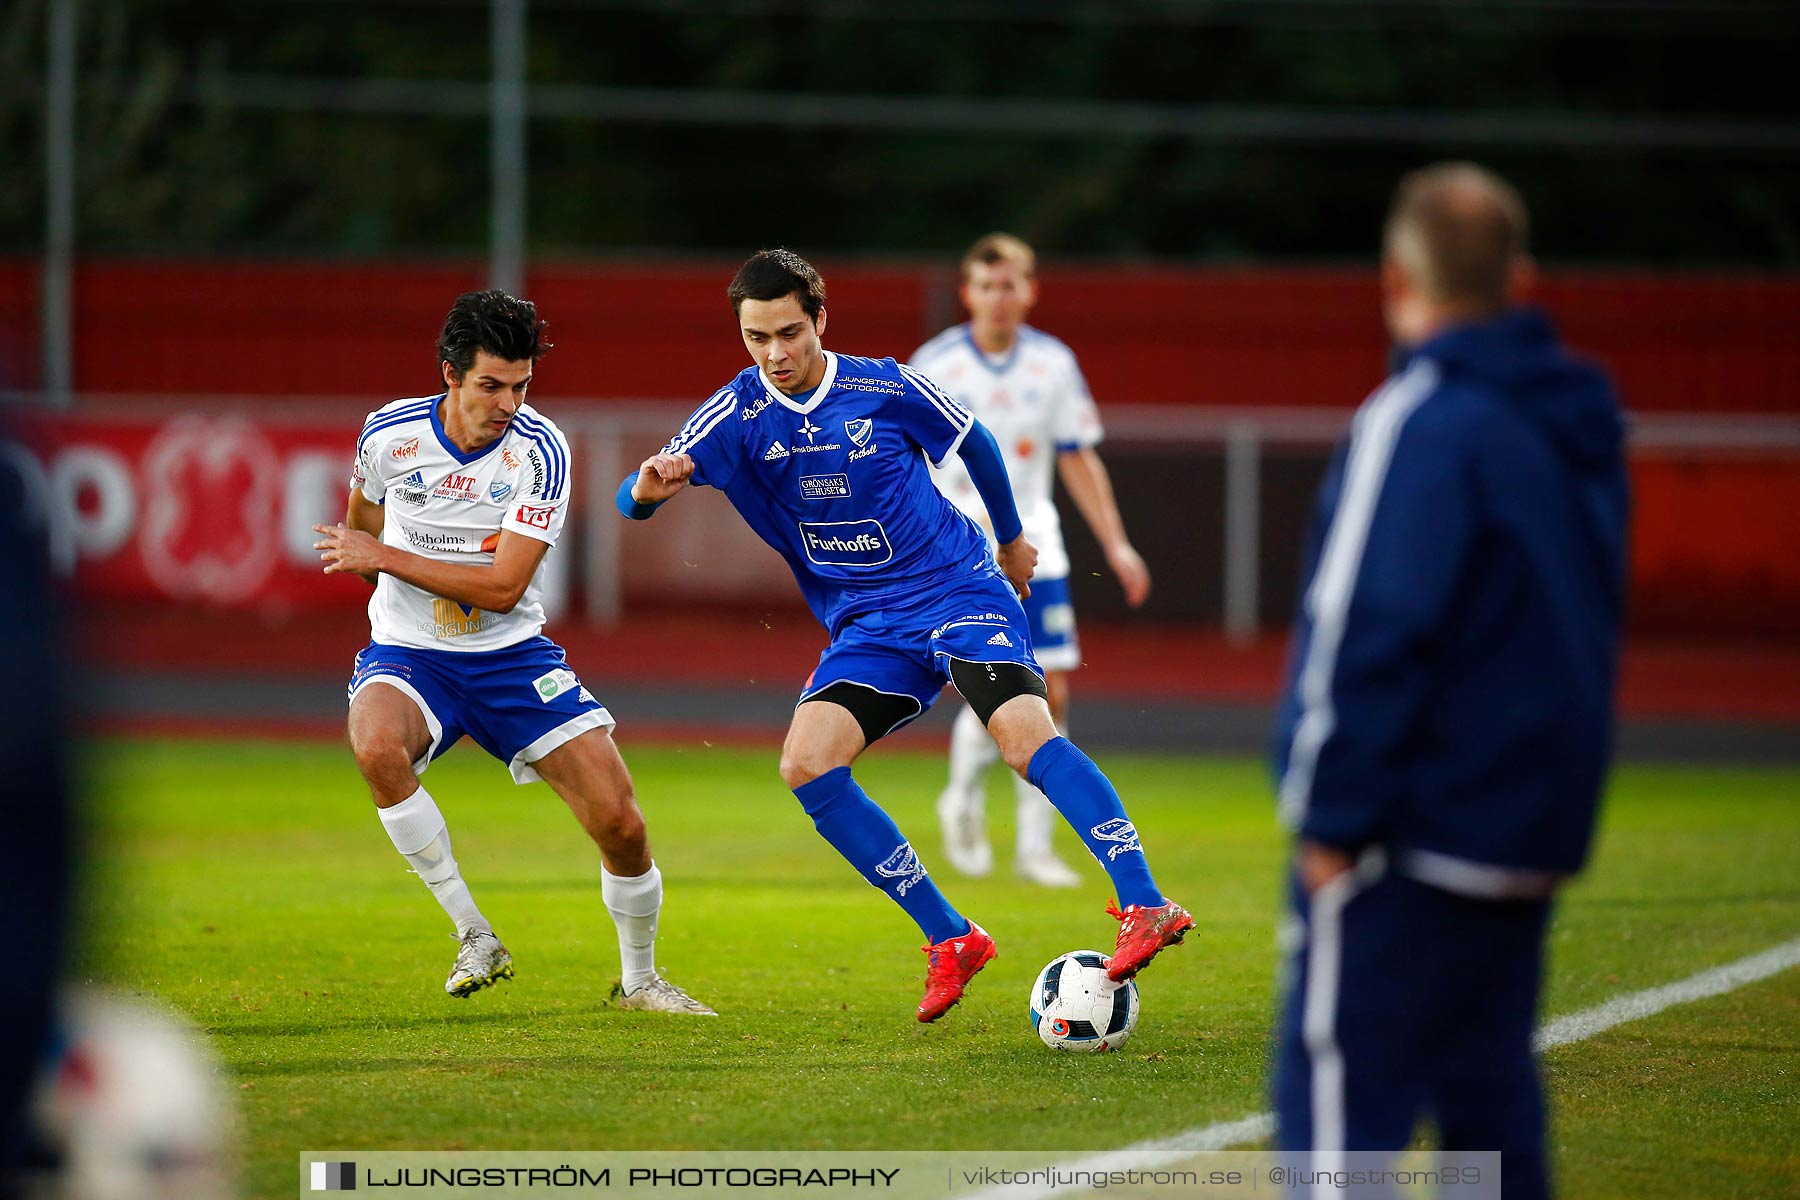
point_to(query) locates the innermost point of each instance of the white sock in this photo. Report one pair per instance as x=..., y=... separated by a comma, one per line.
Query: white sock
x=1036, y=815
x=634, y=903
x=418, y=832
x=972, y=752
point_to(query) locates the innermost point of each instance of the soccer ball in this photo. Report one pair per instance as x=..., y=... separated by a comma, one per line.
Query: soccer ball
x=132, y=1107
x=1074, y=1006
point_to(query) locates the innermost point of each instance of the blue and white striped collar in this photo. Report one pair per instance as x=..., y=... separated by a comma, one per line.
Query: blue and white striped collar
x=450, y=447
x=987, y=360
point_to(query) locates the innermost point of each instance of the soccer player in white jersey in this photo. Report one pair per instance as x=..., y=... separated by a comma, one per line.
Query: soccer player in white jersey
x=455, y=500
x=1025, y=386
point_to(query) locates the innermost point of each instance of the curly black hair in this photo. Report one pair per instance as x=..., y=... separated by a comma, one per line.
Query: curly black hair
x=503, y=325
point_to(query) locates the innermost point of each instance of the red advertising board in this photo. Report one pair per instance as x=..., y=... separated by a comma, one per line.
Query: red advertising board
x=210, y=508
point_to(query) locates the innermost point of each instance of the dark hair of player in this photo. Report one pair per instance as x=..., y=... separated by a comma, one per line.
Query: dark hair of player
x=505, y=326
x=1459, y=227
x=773, y=274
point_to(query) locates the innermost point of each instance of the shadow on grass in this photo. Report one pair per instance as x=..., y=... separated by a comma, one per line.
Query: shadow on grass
x=374, y=1024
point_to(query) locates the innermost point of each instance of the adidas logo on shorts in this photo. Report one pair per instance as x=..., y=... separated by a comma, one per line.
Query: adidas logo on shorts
x=1000, y=639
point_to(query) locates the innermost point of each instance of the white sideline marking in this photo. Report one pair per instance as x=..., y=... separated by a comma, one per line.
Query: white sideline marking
x=1630, y=1007
x=1576, y=1027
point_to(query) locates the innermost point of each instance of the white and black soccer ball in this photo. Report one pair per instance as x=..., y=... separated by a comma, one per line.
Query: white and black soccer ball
x=132, y=1106
x=1074, y=1006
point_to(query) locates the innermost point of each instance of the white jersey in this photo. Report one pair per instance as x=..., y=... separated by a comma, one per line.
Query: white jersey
x=451, y=506
x=1035, y=402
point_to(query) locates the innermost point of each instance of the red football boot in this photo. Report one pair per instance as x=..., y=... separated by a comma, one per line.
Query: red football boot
x=1142, y=932
x=953, y=963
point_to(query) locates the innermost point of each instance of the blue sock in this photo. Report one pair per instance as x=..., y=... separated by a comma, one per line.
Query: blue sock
x=867, y=837
x=1086, y=799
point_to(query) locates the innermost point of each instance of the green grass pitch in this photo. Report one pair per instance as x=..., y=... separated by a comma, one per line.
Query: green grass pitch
x=250, y=886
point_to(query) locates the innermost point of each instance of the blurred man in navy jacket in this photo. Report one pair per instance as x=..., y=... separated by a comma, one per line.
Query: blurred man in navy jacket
x=1447, y=719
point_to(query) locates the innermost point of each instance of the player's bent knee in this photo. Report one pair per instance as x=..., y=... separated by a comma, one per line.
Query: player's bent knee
x=1018, y=755
x=627, y=827
x=380, y=756
x=986, y=686
x=800, y=768
x=622, y=839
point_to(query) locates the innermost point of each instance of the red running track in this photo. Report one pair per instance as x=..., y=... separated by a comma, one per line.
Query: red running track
x=1748, y=682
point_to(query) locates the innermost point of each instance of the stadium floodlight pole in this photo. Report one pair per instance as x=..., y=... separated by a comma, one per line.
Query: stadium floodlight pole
x=506, y=125
x=1243, y=513
x=57, y=284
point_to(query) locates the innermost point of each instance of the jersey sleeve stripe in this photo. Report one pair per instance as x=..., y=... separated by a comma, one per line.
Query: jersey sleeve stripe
x=946, y=403
x=555, y=449
x=555, y=452
x=701, y=414
x=1374, y=434
x=703, y=422
x=389, y=420
x=387, y=411
x=397, y=417
x=958, y=416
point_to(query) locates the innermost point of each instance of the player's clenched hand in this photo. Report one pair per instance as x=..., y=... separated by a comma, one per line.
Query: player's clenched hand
x=1133, y=575
x=1018, y=559
x=348, y=551
x=661, y=476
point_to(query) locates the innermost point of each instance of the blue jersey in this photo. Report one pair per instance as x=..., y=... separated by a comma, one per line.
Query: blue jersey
x=838, y=483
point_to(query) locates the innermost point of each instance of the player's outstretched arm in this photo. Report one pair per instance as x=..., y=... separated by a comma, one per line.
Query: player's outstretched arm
x=1086, y=477
x=657, y=480
x=496, y=587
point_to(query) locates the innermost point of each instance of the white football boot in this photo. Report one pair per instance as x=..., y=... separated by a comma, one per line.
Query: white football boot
x=1046, y=870
x=659, y=995
x=481, y=962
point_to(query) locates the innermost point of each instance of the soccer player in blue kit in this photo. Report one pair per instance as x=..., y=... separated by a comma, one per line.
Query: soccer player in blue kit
x=824, y=455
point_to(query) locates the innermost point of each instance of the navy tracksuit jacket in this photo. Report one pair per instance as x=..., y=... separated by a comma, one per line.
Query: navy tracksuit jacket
x=1448, y=717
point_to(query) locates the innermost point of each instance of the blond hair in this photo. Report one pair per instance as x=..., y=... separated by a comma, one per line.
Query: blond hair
x=1458, y=228
x=997, y=248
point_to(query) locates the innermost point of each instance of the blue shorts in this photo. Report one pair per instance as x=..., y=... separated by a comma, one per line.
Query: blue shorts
x=1052, y=620
x=518, y=703
x=906, y=650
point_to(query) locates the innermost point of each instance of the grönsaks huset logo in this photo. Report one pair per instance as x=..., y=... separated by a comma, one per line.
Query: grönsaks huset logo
x=846, y=543
x=824, y=487
x=1120, y=831
x=903, y=864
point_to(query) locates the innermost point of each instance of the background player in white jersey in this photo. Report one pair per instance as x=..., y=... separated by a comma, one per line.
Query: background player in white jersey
x=1025, y=386
x=455, y=500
